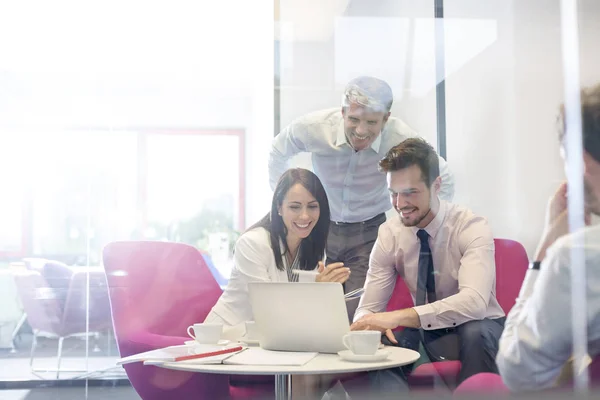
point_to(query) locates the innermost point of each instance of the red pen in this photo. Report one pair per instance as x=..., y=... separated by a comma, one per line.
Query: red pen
x=211, y=354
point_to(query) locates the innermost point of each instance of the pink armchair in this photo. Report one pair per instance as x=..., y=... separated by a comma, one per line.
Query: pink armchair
x=55, y=299
x=511, y=266
x=158, y=289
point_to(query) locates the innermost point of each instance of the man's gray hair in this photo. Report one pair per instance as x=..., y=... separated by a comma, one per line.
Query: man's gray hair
x=369, y=92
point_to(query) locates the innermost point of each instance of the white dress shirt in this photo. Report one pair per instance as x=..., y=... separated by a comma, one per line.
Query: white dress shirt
x=462, y=247
x=253, y=262
x=356, y=189
x=538, y=340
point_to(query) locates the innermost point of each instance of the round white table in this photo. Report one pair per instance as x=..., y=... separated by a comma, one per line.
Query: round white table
x=321, y=364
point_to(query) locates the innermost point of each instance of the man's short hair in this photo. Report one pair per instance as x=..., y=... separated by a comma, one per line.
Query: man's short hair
x=370, y=92
x=413, y=151
x=590, y=121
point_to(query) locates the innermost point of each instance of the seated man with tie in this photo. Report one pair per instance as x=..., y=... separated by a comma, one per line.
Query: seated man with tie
x=445, y=254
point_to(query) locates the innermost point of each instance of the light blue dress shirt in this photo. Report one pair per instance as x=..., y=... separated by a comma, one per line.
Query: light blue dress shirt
x=356, y=189
x=537, y=340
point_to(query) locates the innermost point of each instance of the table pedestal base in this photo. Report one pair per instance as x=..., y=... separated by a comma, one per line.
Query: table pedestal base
x=283, y=387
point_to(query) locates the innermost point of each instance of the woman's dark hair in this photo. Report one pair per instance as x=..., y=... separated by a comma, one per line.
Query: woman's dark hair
x=312, y=248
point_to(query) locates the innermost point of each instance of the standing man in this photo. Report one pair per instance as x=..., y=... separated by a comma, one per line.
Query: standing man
x=346, y=148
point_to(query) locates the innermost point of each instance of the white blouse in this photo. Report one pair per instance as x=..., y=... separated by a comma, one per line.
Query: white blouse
x=253, y=262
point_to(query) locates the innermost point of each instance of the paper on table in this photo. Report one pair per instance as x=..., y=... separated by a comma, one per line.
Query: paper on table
x=258, y=356
x=172, y=353
x=219, y=359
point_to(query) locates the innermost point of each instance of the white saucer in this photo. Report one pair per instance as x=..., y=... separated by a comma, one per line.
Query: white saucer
x=347, y=355
x=219, y=343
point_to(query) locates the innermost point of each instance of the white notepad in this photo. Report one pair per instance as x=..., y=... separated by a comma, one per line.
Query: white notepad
x=258, y=356
x=172, y=353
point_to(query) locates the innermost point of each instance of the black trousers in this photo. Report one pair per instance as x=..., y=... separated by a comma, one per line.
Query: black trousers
x=351, y=243
x=474, y=344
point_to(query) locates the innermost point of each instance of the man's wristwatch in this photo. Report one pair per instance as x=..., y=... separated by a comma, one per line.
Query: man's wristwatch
x=535, y=265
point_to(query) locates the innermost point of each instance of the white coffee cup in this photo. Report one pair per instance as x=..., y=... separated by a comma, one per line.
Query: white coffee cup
x=251, y=330
x=205, y=333
x=362, y=342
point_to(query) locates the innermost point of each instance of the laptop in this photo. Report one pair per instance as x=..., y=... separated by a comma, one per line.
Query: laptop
x=299, y=316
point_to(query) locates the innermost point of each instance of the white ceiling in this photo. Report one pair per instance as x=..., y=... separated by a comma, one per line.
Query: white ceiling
x=309, y=20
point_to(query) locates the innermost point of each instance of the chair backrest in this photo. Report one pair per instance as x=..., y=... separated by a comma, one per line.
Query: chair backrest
x=481, y=384
x=58, y=276
x=594, y=370
x=86, y=304
x=511, y=266
x=221, y=280
x=401, y=297
x=157, y=287
x=43, y=309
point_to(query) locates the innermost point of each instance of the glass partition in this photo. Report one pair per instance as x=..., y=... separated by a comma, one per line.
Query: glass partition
x=143, y=123
x=117, y=127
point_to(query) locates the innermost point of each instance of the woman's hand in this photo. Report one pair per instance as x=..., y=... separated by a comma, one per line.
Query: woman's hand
x=335, y=272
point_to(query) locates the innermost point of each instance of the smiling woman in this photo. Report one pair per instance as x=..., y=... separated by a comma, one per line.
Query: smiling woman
x=299, y=210
x=292, y=236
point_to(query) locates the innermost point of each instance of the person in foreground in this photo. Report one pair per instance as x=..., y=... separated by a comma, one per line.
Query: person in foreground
x=445, y=254
x=538, y=339
x=292, y=236
x=346, y=143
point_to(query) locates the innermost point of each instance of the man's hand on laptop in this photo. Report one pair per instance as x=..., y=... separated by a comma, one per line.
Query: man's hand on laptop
x=386, y=321
x=335, y=272
x=382, y=322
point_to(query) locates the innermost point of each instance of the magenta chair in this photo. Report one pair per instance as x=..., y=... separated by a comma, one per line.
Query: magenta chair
x=488, y=383
x=158, y=289
x=511, y=266
x=401, y=298
x=485, y=382
x=62, y=302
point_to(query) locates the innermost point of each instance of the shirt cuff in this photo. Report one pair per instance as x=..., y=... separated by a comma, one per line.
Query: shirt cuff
x=427, y=316
x=359, y=314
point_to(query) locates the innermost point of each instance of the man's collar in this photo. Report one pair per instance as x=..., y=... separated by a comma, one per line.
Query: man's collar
x=376, y=145
x=341, y=138
x=436, y=223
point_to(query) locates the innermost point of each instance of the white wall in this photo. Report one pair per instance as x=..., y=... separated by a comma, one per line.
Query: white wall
x=502, y=108
x=503, y=88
